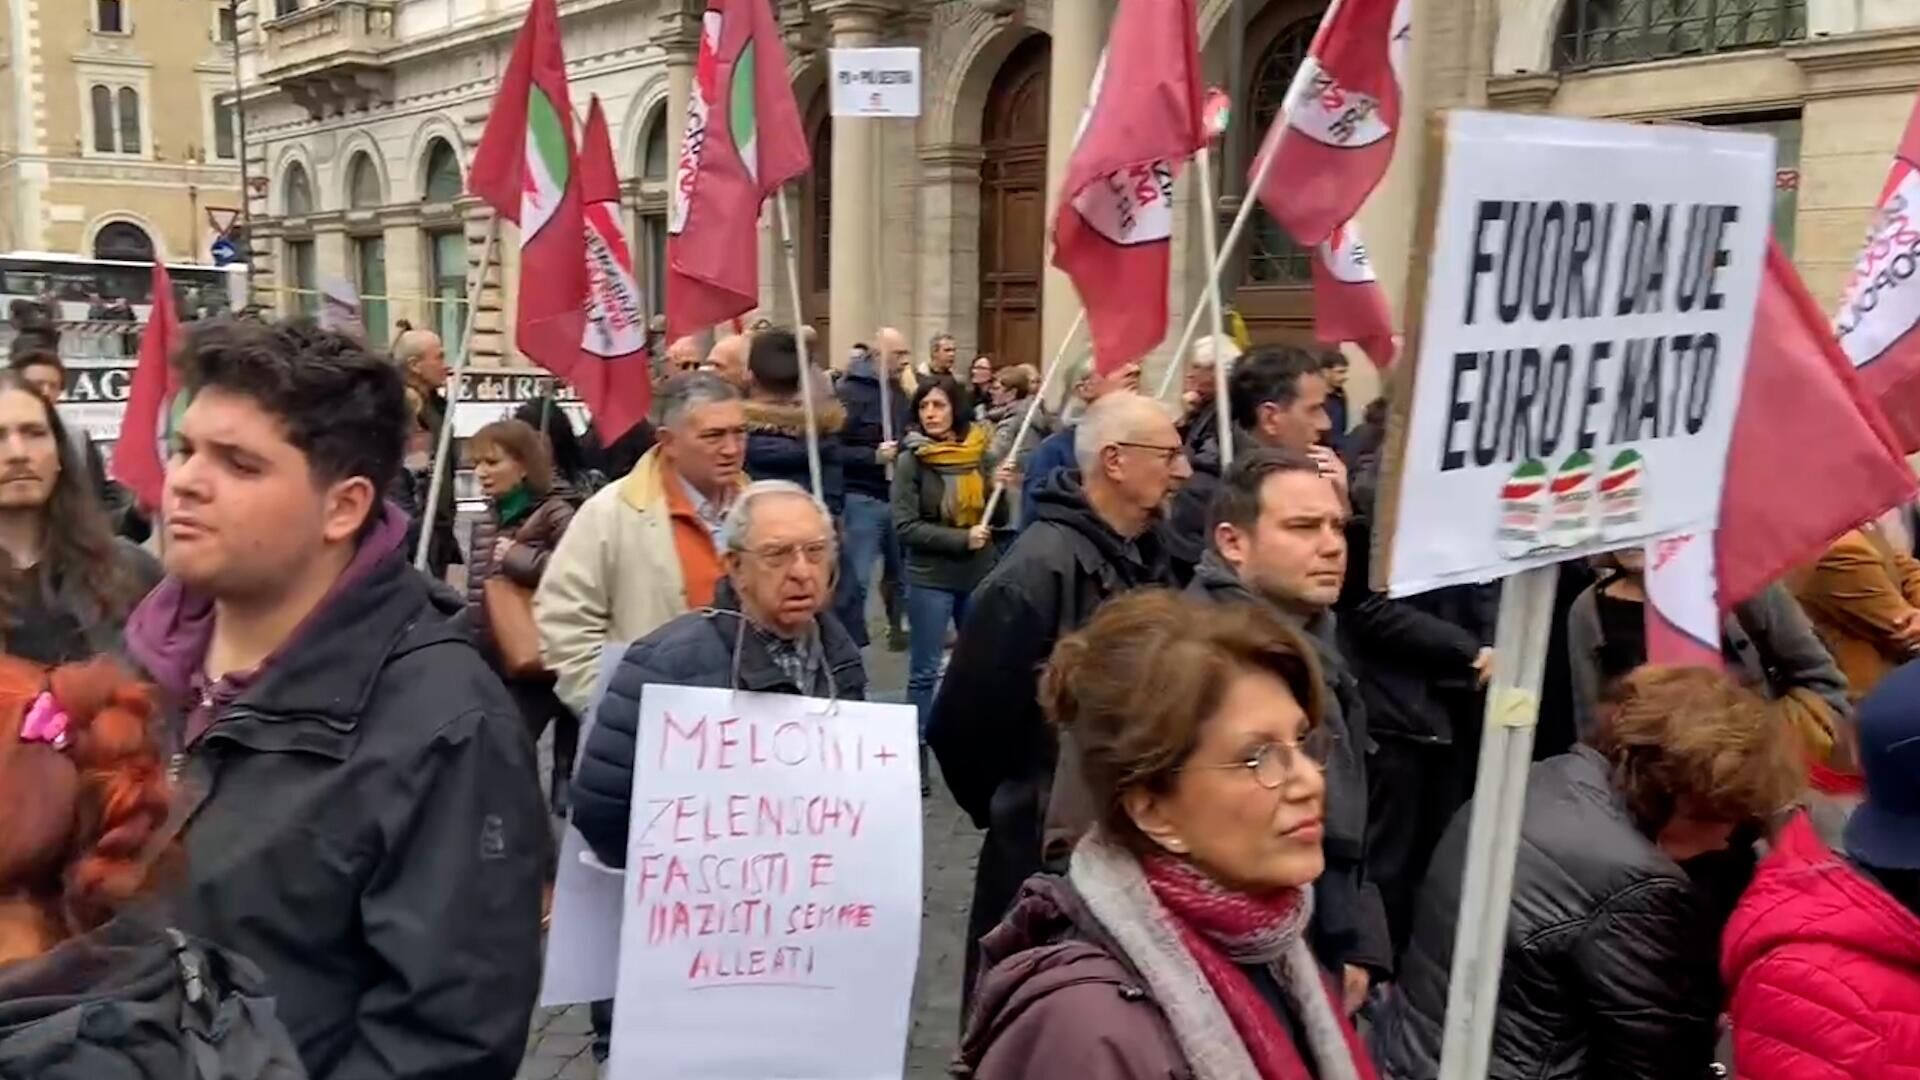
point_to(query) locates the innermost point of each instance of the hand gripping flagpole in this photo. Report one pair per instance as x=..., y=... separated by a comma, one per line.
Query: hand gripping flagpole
x=1202, y=160
x=800, y=337
x=1033, y=408
x=1227, y=248
x=439, y=474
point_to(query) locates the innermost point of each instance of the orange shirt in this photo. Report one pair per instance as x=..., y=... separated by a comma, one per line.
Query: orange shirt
x=700, y=565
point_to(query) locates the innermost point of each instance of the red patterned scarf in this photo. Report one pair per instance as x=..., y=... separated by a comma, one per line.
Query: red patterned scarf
x=1224, y=929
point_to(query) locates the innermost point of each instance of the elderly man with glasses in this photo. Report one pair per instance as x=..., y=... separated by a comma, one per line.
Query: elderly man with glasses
x=766, y=631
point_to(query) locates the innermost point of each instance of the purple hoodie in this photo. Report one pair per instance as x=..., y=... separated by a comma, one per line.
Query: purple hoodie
x=169, y=633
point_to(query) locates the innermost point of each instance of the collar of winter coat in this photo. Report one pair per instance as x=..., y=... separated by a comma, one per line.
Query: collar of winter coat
x=644, y=488
x=830, y=648
x=1806, y=894
x=1216, y=579
x=789, y=418
x=328, y=667
x=1063, y=501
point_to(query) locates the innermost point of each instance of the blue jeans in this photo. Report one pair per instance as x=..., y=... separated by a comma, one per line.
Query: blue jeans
x=868, y=524
x=929, y=611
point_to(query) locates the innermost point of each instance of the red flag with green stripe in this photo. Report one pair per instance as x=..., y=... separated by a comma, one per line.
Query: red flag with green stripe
x=743, y=142
x=525, y=169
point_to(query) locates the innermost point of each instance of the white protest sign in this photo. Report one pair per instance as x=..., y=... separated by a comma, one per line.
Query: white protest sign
x=875, y=82
x=1579, y=353
x=772, y=907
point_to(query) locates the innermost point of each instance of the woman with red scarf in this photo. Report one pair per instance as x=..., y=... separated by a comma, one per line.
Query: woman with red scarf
x=1174, y=944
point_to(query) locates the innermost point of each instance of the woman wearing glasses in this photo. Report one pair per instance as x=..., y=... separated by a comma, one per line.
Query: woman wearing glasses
x=940, y=487
x=1174, y=945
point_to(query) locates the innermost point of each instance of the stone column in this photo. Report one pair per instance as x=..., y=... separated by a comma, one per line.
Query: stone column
x=331, y=259
x=854, y=309
x=406, y=268
x=1079, y=30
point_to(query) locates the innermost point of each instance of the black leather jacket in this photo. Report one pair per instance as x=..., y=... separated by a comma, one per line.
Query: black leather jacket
x=1609, y=968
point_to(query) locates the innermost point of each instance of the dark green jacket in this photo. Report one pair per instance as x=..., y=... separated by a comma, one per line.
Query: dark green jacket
x=935, y=552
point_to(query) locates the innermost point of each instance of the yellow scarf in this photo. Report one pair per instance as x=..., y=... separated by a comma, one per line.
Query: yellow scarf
x=959, y=463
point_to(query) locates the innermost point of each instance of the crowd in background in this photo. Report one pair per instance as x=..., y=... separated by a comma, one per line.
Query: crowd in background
x=1223, y=783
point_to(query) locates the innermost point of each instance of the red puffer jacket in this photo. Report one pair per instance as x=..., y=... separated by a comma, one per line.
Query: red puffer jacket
x=1824, y=965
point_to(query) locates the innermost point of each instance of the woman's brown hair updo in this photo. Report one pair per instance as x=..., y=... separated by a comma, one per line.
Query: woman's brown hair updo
x=83, y=823
x=1135, y=687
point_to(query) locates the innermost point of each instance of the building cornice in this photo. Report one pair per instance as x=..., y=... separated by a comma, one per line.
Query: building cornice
x=1845, y=65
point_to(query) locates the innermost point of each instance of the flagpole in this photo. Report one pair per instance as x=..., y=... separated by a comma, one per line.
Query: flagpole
x=439, y=476
x=1033, y=408
x=800, y=337
x=1203, y=161
x=1240, y=218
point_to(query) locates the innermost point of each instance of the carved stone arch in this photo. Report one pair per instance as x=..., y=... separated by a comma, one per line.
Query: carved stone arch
x=354, y=145
x=985, y=42
x=431, y=128
x=155, y=238
x=635, y=124
x=290, y=155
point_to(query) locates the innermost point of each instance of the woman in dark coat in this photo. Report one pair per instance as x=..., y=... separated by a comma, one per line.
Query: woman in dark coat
x=1175, y=944
x=527, y=513
x=1611, y=943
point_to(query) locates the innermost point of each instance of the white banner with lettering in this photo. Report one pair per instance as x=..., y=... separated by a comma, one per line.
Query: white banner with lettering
x=875, y=82
x=771, y=919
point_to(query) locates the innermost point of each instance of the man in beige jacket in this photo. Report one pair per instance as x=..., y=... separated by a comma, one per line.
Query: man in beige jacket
x=643, y=549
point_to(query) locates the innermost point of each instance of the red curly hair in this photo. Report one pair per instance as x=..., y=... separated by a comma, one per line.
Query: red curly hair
x=84, y=833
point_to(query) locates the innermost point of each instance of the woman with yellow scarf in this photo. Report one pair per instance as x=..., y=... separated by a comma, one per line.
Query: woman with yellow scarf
x=940, y=483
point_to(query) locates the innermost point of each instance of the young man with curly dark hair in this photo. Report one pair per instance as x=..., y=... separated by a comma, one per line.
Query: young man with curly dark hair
x=360, y=804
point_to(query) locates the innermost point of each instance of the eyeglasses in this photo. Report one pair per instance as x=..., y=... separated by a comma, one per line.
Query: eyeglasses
x=1166, y=453
x=781, y=556
x=1271, y=762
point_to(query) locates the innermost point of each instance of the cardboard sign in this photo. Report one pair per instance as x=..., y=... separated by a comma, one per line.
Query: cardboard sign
x=771, y=920
x=875, y=82
x=1579, y=343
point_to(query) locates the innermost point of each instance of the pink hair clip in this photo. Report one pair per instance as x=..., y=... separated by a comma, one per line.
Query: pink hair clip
x=45, y=722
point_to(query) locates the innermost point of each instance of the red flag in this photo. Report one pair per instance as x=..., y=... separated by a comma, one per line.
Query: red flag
x=1879, y=320
x=1682, y=614
x=1335, y=134
x=1113, y=234
x=524, y=169
x=139, y=457
x=1348, y=303
x=1811, y=454
x=614, y=374
x=743, y=142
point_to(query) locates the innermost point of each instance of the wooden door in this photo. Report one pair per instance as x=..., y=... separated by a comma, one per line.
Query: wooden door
x=816, y=223
x=1013, y=206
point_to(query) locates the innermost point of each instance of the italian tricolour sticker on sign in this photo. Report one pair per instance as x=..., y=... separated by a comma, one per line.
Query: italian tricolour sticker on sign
x=1882, y=302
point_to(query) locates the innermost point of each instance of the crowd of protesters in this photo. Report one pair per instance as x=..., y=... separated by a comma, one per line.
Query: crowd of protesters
x=1224, y=785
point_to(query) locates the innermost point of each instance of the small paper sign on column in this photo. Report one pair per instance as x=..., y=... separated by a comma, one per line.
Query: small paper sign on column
x=772, y=909
x=875, y=82
x=1579, y=345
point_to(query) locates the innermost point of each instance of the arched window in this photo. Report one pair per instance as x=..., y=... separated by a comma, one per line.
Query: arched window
x=443, y=172
x=129, y=120
x=297, y=192
x=104, y=128
x=123, y=241
x=1272, y=256
x=653, y=152
x=363, y=184
x=1602, y=33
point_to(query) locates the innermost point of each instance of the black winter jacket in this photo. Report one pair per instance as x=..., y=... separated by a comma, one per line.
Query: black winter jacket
x=777, y=447
x=712, y=647
x=1609, y=969
x=986, y=727
x=859, y=393
x=365, y=822
x=1350, y=921
x=128, y=1002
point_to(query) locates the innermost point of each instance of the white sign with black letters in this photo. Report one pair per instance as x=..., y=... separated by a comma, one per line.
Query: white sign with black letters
x=875, y=82
x=1589, y=302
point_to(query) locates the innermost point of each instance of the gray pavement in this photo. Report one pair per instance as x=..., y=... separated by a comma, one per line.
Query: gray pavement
x=558, y=1045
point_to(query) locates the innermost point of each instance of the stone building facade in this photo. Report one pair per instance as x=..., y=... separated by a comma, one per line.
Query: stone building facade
x=117, y=130
x=363, y=114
